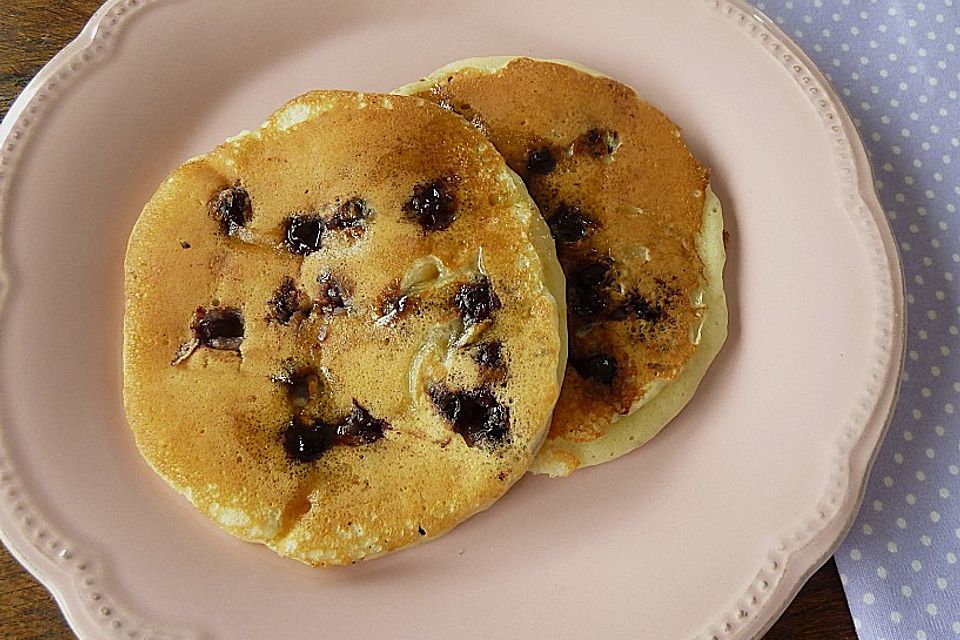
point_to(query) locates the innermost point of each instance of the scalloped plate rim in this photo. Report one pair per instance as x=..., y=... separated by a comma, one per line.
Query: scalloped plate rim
x=23, y=552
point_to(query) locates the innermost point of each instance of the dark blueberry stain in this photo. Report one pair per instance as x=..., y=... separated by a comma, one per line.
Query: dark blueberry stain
x=218, y=328
x=599, y=368
x=307, y=440
x=475, y=414
x=333, y=296
x=588, y=288
x=288, y=303
x=541, y=161
x=303, y=234
x=350, y=216
x=637, y=306
x=360, y=427
x=597, y=142
x=489, y=355
x=568, y=225
x=433, y=205
x=421, y=531
x=476, y=301
x=667, y=291
x=184, y=244
x=233, y=209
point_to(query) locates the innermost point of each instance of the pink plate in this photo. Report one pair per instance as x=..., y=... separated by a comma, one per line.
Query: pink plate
x=707, y=532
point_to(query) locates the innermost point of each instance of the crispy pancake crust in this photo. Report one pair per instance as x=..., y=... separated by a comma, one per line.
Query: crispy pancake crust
x=628, y=205
x=310, y=310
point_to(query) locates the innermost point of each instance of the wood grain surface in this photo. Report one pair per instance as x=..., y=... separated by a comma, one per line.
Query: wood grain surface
x=31, y=32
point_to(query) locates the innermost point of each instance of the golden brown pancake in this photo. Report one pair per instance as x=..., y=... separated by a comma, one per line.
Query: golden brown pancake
x=638, y=233
x=344, y=330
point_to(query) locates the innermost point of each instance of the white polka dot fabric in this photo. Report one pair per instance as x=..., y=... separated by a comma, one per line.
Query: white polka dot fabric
x=897, y=67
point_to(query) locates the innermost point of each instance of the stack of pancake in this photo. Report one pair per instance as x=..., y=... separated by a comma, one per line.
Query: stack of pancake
x=348, y=330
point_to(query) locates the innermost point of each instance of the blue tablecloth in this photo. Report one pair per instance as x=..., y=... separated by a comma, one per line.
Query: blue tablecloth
x=896, y=65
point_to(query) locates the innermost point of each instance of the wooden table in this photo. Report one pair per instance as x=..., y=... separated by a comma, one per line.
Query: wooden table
x=31, y=32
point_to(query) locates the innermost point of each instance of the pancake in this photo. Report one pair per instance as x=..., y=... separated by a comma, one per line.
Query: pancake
x=344, y=331
x=639, y=234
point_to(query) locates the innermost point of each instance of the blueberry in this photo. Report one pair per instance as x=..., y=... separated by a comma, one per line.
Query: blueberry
x=476, y=301
x=588, y=288
x=360, y=427
x=350, y=216
x=568, y=225
x=600, y=368
x=287, y=303
x=637, y=306
x=232, y=208
x=541, y=161
x=218, y=328
x=598, y=142
x=433, y=205
x=305, y=441
x=475, y=414
x=333, y=295
x=489, y=355
x=303, y=234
